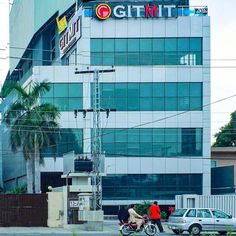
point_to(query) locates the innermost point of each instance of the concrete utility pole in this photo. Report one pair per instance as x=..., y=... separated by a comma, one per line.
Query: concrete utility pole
x=96, y=142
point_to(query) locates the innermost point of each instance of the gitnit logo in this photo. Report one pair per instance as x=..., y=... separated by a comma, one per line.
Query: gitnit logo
x=103, y=11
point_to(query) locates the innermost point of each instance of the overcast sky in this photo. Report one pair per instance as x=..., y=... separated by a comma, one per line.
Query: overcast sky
x=223, y=54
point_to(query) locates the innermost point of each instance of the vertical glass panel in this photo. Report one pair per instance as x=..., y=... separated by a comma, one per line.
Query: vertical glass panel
x=158, y=90
x=146, y=149
x=158, y=104
x=108, y=58
x=75, y=90
x=146, y=58
x=108, y=136
x=146, y=89
x=133, y=45
x=133, y=135
x=46, y=100
x=146, y=135
x=121, y=58
x=133, y=58
x=171, y=135
x=195, y=103
x=146, y=104
x=159, y=135
x=133, y=104
x=159, y=45
x=171, y=104
x=145, y=45
x=75, y=103
x=196, y=89
x=121, y=104
x=133, y=90
x=121, y=45
x=170, y=44
x=183, y=44
x=96, y=58
x=61, y=103
x=171, y=149
x=171, y=89
x=121, y=89
x=158, y=58
x=196, y=44
x=133, y=149
x=121, y=135
x=159, y=149
x=108, y=90
x=108, y=45
x=183, y=103
x=183, y=89
x=96, y=45
x=121, y=148
x=171, y=58
x=61, y=90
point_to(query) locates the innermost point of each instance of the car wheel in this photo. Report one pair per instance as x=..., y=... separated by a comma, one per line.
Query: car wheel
x=222, y=232
x=176, y=231
x=195, y=229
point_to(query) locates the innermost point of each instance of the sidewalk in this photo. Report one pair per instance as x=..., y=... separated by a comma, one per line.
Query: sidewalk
x=111, y=227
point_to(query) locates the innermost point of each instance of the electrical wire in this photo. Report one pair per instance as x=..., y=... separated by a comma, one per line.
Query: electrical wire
x=157, y=120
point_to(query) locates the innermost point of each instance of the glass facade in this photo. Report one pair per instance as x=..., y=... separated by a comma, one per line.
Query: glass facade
x=70, y=140
x=146, y=51
x=151, y=96
x=150, y=186
x=66, y=96
x=157, y=142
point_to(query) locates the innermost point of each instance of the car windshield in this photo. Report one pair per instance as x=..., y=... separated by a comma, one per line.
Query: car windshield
x=179, y=212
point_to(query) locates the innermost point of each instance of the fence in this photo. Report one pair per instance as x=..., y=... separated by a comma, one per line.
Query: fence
x=23, y=210
x=225, y=203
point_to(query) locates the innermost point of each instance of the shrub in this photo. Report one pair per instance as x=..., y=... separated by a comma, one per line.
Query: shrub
x=143, y=208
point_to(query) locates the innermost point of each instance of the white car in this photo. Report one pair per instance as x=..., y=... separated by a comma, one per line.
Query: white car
x=195, y=220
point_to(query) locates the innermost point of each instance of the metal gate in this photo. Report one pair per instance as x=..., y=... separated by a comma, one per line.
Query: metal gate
x=23, y=210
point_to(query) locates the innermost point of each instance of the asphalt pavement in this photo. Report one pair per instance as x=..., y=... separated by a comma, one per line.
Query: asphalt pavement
x=111, y=228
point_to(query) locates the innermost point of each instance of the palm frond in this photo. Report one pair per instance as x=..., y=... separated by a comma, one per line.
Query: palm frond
x=13, y=86
x=13, y=113
x=48, y=111
x=39, y=89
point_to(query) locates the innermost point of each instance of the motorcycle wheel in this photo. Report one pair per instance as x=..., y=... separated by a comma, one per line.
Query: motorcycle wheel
x=125, y=230
x=150, y=230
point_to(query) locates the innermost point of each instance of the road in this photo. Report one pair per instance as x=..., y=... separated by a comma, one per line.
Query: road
x=111, y=228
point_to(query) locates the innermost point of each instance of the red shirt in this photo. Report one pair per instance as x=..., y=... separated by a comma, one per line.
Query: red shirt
x=155, y=212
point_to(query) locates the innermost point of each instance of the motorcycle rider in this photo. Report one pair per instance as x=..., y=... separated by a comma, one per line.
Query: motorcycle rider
x=134, y=217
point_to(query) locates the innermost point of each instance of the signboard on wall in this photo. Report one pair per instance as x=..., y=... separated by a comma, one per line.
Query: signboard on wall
x=72, y=33
x=140, y=9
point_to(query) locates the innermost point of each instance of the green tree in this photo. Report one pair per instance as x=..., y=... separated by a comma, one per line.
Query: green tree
x=33, y=126
x=227, y=135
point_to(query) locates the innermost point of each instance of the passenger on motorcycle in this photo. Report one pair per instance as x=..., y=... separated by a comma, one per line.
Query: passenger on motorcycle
x=134, y=217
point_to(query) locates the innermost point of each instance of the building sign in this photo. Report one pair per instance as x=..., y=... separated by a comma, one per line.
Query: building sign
x=61, y=24
x=72, y=34
x=121, y=9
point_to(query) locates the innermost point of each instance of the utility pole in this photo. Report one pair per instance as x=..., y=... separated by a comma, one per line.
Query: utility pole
x=96, y=142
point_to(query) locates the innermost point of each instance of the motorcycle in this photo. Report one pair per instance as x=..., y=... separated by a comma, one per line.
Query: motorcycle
x=129, y=228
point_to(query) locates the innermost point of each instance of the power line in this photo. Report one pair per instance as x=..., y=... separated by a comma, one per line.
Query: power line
x=157, y=120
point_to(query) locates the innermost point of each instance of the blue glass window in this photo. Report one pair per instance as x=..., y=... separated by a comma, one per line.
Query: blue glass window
x=150, y=186
x=146, y=51
x=158, y=142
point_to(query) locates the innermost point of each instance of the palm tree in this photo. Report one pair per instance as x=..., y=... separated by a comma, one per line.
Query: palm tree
x=33, y=126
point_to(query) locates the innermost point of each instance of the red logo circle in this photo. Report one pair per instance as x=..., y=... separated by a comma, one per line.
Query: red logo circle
x=103, y=11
